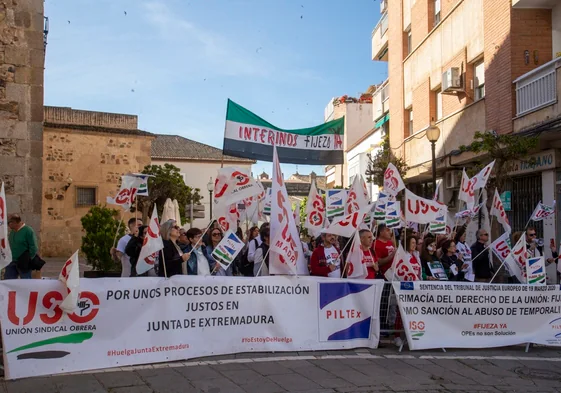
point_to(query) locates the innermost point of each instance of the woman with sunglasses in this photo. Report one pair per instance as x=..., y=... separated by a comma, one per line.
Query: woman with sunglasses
x=215, y=238
x=172, y=259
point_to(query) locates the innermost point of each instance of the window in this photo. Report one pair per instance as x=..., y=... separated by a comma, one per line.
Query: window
x=436, y=12
x=410, y=124
x=86, y=196
x=409, y=44
x=479, y=80
x=438, y=104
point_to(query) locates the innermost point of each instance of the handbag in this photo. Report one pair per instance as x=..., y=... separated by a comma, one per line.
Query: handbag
x=24, y=261
x=37, y=262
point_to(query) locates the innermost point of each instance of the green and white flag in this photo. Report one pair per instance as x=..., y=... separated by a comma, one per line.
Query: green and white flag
x=248, y=135
x=227, y=249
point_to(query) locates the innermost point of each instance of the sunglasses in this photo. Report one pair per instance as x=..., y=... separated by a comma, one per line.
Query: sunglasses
x=216, y=234
x=531, y=234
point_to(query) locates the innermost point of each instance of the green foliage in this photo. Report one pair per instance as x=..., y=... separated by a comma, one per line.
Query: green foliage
x=303, y=231
x=504, y=149
x=166, y=183
x=378, y=163
x=100, y=225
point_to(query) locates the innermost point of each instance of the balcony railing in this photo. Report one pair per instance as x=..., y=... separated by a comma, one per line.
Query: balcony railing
x=537, y=89
x=384, y=24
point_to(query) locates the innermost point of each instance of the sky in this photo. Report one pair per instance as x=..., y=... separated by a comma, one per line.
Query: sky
x=174, y=63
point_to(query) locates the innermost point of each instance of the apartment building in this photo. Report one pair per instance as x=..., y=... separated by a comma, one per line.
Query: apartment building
x=358, y=123
x=461, y=64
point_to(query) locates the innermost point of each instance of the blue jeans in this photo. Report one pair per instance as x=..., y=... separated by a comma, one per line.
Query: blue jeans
x=12, y=272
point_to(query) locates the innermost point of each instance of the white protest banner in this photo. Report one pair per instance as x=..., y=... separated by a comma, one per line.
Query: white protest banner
x=535, y=271
x=228, y=248
x=516, y=260
x=227, y=216
x=151, y=245
x=286, y=255
x=380, y=206
x=234, y=184
x=392, y=180
x=142, y=184
x=467, y=191
x=315, y=212
x=393, y=215
x=498, y=211
x=357, y=197
x=543, y=211
x=267, y=202
x=438, y=226
x=478, y=315
x=501, y=247
x=127, y=193
x=180, y=318
x=482, y=177
x=335, y=202
x=5, y=251
x=355, y=267
x=70, y=277
x=422, y=210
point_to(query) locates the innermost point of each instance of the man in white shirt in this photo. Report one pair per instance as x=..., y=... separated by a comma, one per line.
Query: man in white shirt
x=133, y=225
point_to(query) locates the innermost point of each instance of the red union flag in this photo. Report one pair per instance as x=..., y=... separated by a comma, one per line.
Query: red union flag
x=233, y=185
x=5, y=251
x=151, y=245
x=401, y=269
x=543, y=211
x=286, y=255
x=498, y=211
x=315, y=212
x=392, y=180
x=127, y=193
x=355, y=267
x=357, y=197
x=501, y=247
x=346, y=226
x=421, y=210
x=516, y=260
x=70, y=277
x=467, y=190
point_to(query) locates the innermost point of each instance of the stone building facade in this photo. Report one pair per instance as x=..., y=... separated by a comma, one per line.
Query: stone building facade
x=85, y=154
x=22, y=59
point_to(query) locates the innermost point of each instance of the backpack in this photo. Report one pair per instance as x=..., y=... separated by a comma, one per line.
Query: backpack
x=245, y=267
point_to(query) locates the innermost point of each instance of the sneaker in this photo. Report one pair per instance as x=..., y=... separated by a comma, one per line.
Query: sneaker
x=398, y=342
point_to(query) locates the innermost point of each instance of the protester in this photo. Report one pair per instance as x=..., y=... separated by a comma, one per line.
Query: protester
x=172, y=259
x=428, y=256
x=261, y=264
x=532, y=247
x=368, y=254
x=215, y=239
x=482, y=265
x=409, y=244
x=252, y=233
x=199, y=264
x=23, y=244
x=453, y=265
x=463, y=251
x=325, y=260
x=119, y=253
x=384, y=248
x=182, y=241
x=206, y=237
x=134, y=247
x=247, y=258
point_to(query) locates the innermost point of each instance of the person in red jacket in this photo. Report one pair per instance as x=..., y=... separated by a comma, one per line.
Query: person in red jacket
x=325, y=260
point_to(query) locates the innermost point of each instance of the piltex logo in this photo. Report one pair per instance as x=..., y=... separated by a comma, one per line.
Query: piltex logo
x=88, y=301
x=556, y=325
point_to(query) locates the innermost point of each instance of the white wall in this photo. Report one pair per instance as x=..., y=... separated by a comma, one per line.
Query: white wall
x=556, y=25
x=357, y=160
x=197, y=175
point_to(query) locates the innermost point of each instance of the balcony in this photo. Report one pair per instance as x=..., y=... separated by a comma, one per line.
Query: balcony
x=537, y=95
x=381, y=101
x=537, y=89
x=380, y=40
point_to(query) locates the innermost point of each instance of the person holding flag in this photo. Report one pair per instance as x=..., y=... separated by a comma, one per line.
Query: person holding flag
x=384, y=247
x=325, y=260
x=368, y=255
x=171, y=256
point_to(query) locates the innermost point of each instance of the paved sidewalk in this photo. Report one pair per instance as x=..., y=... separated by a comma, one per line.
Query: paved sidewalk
x=381, y=370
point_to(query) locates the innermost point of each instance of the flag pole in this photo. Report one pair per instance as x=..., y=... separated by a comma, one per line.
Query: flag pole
x=260, y=267
x=118, y=228
x=343, y=250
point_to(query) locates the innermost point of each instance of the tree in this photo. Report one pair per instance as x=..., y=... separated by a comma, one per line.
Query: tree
x=302, y=215
x=504, y=149
x=100, y=225
x=378, y=163
x=166, y=183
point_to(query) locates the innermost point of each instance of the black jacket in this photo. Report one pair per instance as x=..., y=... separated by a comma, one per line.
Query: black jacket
x=133, y=251
x=482, y=267
x=171, y=259
x=447, y=262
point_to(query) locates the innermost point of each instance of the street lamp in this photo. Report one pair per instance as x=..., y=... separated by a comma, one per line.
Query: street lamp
x=210, y=188
x=433, y=133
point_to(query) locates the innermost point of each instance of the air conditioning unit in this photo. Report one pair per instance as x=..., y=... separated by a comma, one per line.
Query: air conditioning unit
x=452, y=80
x=453, y=179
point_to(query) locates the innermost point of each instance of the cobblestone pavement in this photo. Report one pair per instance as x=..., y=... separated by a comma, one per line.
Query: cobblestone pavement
x=381, y=370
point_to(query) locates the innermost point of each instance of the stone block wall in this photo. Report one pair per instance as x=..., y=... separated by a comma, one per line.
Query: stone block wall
x=22, y=59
